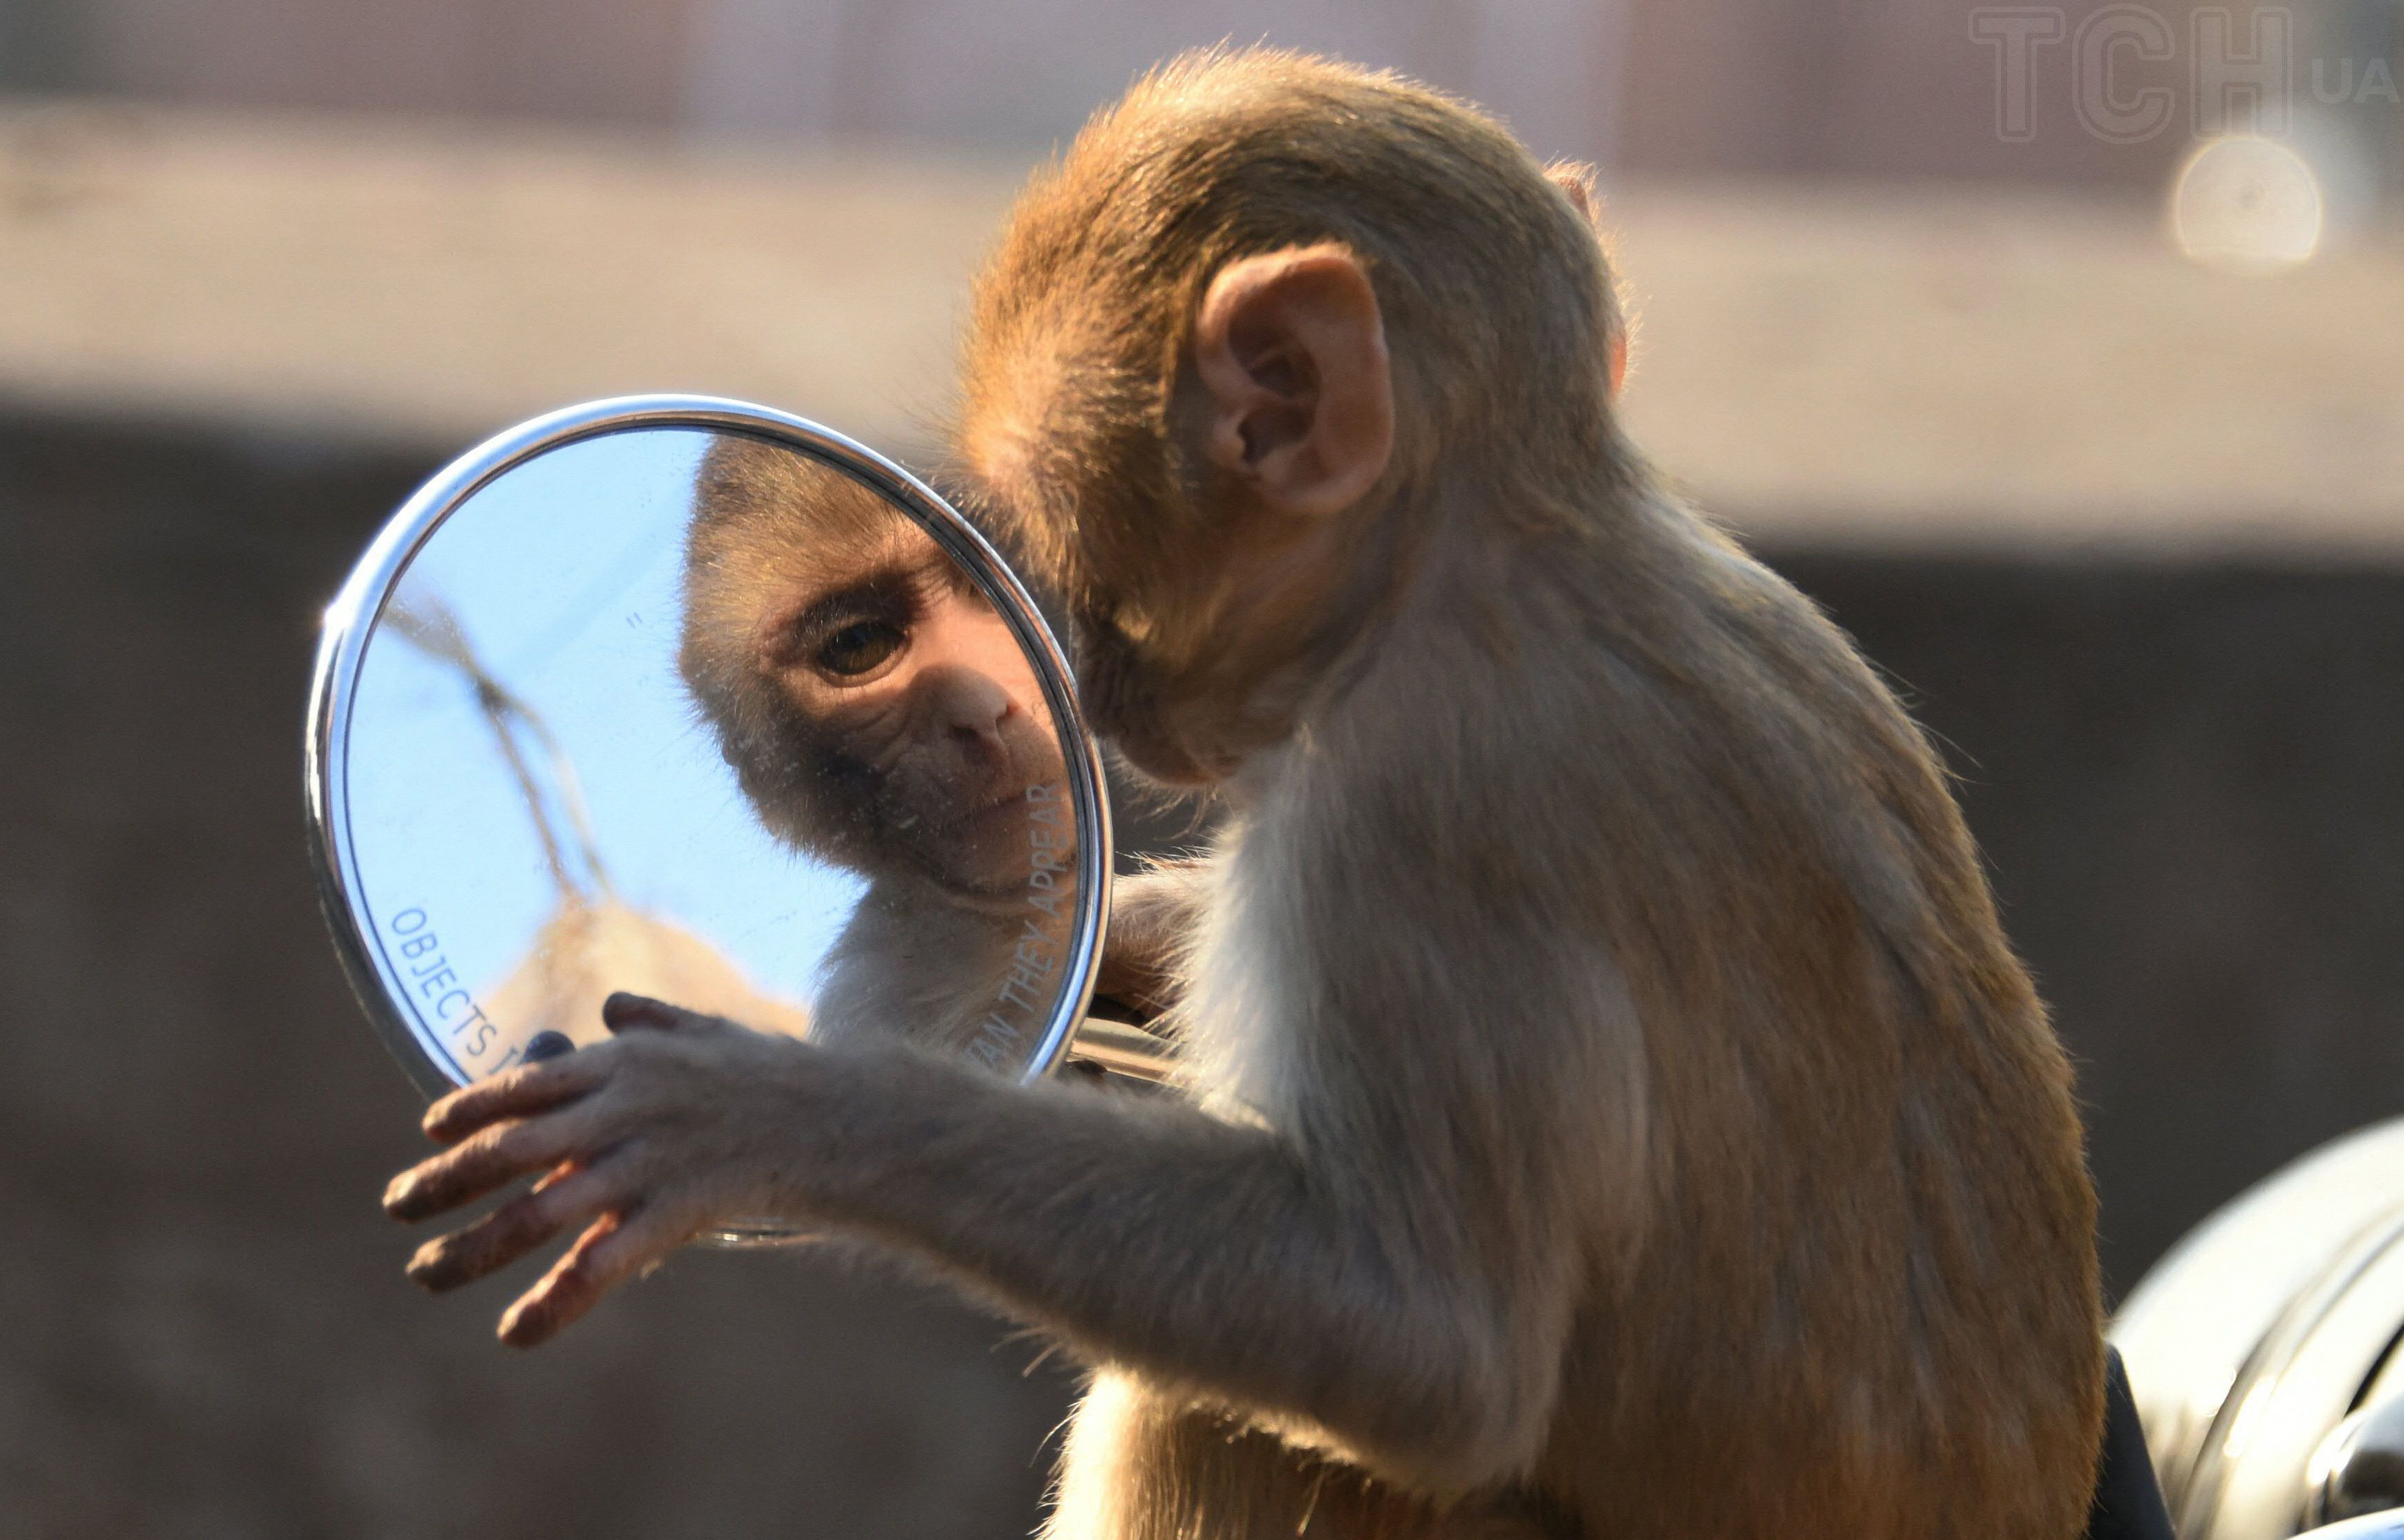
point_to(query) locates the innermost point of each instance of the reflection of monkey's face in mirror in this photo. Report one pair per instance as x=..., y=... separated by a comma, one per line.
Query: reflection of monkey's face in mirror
x=877, y=709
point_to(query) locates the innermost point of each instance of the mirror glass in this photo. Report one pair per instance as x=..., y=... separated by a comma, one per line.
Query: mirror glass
x=713, y=707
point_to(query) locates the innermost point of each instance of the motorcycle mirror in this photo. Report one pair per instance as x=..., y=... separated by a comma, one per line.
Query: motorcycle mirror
x=702, y=701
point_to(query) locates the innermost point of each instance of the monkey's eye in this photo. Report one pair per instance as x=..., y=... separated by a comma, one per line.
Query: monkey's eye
x=859, y=648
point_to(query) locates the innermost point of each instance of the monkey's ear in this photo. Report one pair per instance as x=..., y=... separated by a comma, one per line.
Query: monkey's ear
x=1291, y=350
x=1576, y=179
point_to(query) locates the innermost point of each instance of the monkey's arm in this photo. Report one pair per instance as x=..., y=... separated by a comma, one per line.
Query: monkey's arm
x=1398, y=1325
x=1214, y=1257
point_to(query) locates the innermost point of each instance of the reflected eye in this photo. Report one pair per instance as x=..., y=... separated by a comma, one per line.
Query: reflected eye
x=859, y=648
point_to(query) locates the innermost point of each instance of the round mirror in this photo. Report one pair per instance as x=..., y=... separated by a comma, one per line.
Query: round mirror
x=705, y=702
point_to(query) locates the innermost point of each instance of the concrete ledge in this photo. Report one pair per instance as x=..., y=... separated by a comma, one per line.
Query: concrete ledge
x=327, y=278
x=1943, y=370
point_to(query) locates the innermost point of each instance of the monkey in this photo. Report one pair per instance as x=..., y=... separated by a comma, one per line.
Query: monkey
x=1613, y=1108
x=880, y=714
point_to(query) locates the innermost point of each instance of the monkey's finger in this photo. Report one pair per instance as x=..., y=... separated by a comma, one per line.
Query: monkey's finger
x=570, y=1196
x=616, y=1247
x=496, y=1153
x=623, y=1012
x=529, y=1088
x=515, y=1093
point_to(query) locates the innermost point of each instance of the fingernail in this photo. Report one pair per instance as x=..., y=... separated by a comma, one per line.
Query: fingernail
x=622, y=1009
x=518, y=1329
x=426, y=1269
x=397, y=1194
x=544, y=1045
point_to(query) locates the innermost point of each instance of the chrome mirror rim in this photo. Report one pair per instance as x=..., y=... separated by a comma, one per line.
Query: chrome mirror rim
x=2262, y=1328
x=350, y=619
x=2370, y=1526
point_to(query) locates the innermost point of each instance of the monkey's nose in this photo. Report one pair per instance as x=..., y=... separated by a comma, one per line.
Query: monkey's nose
x=982, y=742
x=974, y=711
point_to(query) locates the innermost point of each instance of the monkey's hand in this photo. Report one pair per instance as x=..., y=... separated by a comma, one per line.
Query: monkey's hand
x=642, y=1142
x=1154, y=914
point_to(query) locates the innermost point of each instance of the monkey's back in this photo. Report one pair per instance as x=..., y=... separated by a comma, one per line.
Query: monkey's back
x=1842, y=1265
x=1869, y=1304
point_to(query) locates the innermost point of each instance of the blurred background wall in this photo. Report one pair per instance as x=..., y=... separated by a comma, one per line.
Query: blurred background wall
x=2056, y=349
x=1815, y=88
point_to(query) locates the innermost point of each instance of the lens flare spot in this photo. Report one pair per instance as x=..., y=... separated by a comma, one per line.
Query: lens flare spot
x=2247, y=204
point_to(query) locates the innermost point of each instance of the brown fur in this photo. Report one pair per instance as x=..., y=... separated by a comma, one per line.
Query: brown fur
x=1678, y=1147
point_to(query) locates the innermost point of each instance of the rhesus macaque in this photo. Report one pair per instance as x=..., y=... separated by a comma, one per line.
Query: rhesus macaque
x=880, y=714
x=1615, y=1110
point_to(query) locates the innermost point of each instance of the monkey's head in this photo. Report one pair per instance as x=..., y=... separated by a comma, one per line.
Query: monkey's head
x=877, y=709
x=1232, y=355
